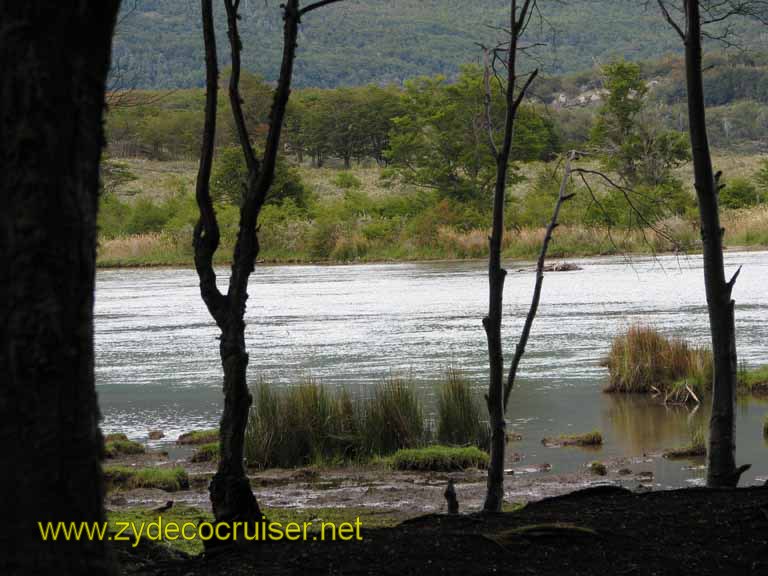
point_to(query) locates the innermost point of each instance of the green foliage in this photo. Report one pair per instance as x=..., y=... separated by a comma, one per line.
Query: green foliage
x=459, y=415
x=440, y=459
x=168, y=479
x=230, y=175
x=740, y=193
x=441, y=140
x=347, y=181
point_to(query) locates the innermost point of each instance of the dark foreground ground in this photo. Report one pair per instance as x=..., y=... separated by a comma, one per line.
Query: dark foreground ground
x=606, y=530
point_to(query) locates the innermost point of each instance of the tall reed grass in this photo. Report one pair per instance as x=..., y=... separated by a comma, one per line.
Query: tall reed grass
x=310, y=424
x=459, y=414
x=642, y=360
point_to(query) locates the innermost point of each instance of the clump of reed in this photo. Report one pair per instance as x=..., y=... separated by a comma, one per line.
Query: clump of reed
x=459, y=414
x=310, y=424
x=643, y=360
x=306, y=424
x=393, y=418
x=125, y=477
x=696, y=449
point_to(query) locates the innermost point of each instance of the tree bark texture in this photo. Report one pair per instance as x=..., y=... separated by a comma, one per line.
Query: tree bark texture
x=54, y=58
x=721, y=456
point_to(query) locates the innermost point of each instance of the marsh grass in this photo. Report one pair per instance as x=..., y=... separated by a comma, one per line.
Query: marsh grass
x=120, y=447
x=303, y=425
x=586, y=440
x=168, y=479
x=459, y=414
x=440, y=458
x=393, y=418
x=696, y=449
x=206, y=453
x=197, y=437
x=642, y=360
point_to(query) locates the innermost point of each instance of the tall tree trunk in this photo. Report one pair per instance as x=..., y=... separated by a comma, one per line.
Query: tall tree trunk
x=54, y=58
x=721, y=468
x=496, y=274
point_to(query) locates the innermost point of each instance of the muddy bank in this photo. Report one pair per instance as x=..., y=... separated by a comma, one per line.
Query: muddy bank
x=598, y=531
x=378, y=488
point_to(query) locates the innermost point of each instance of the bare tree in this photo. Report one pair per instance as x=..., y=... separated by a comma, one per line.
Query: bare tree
x=230, y=490
x=695, y=16
x=54, y=58
x=498, y=394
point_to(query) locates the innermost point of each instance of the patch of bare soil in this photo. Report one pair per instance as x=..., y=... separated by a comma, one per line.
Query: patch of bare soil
x=601, y=530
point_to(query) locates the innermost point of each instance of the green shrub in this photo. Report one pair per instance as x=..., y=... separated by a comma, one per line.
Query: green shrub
x=440, y=458
x=459, y=415
x=168, y=479
x=740, y=193
x=347, y=181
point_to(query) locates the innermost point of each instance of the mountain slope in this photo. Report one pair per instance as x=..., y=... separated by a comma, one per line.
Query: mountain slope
x=159, y=42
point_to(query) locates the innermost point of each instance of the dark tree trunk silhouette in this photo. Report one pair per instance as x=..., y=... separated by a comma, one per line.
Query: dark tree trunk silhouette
x=496, y=274
x=230, y=490
x=54, y=59
x=721, y=455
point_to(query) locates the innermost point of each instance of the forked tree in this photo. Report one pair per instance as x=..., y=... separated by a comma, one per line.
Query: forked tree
x=230, y=490
x=54, y=58
x=514, y=95
x=689, y=19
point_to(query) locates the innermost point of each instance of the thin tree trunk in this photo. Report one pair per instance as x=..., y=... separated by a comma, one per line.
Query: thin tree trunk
x=496, y=274
x=721, y=456
x=54, y=58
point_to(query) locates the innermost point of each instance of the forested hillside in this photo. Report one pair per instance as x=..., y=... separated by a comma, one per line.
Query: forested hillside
x=159, y=42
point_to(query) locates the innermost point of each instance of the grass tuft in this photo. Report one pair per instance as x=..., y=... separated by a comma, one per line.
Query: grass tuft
x=196, y=437
x=125, y=477
x=644, y=361
x=206, y=453
x=440, y=458
x=588, y=439
x=394, y=418
x=459, y=416
x=122, y=447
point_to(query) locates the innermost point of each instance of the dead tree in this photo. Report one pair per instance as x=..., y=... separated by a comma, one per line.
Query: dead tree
x=54, y=58
x=230, y=490
x=696, y=14
x=519, y=18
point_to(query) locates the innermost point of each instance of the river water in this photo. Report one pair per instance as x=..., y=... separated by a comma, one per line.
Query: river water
x=157, y=364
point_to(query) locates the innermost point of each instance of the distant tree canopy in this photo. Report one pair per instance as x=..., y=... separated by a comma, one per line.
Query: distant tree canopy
x=441, y=141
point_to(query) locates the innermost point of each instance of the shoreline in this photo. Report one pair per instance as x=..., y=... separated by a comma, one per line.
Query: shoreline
x=331, y=263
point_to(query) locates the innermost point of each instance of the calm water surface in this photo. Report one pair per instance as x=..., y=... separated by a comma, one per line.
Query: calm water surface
x=158, y=366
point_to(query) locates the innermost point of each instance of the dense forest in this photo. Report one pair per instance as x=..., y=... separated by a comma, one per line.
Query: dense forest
x=159, y=44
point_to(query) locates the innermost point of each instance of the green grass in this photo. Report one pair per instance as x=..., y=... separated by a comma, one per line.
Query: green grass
x=588, y=439
x=125, y=477
x=754, y=381
x=206, y=453
x=196, y=437
x=697, y=448
x=120, y=447
x=440, y=458
x=393, y=418
x=459, y=414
